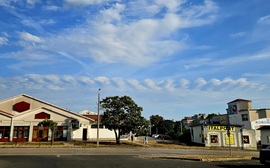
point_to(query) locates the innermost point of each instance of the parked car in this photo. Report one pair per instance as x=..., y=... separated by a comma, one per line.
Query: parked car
x=155, y=136
x=265, y=155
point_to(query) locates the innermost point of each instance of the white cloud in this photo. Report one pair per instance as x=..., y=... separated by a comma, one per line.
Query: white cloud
x=84, y=2
x=32, y=2
x=52, y=8
x=265, y=20
x=114, y=13
x=115, y=38
x=102, y=80
x=30, y=38
x=68, y=81
x=47, y=22
x=200, y=82
x=3, y=40
x=136, y=84
x=155, y=96
x=151, y=84
x=238, y=35
x=184, y=83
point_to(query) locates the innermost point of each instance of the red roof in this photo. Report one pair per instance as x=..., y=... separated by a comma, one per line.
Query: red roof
x=92, y=116
x=6, y=113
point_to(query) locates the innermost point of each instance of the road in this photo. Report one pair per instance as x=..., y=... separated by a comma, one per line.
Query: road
x=115, y=157
x=112, y=161
x=121, y=151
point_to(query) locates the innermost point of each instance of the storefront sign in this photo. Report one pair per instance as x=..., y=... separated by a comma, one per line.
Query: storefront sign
x=230, y=140
x=220, y=128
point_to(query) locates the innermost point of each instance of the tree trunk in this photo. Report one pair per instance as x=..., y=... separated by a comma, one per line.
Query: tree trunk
x=117, y=137
x=52, y=137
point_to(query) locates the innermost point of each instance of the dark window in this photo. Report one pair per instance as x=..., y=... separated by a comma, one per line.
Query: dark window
x=21, y=132
x=245, y=139
x=214, y=138
x=244, y=117
x=4, y=132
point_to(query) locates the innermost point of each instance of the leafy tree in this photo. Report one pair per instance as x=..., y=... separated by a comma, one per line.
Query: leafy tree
x=155, y=121
x=122, y=115
x=144, y=128
x=166, y=127
x=51, y=124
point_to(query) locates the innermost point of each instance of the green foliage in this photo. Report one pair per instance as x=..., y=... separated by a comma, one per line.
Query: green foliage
x=155, y=121
x=166, y=127
x=51, y=124
x=144, y=128
x=122, y=115
x=48, y=123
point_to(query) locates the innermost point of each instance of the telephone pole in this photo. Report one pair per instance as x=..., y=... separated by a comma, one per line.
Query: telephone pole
x=98, y=120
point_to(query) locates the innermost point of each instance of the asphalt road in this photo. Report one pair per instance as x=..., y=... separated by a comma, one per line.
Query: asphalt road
x=121, y=151
x=112, y=161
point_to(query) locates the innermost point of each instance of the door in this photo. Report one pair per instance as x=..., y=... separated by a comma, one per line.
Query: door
x=84, y=134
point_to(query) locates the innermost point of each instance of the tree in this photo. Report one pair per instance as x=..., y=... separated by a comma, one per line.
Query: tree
x=51, y=124
x=121, y=114
x=166, y=127
x=155, y=121
x=144, y=128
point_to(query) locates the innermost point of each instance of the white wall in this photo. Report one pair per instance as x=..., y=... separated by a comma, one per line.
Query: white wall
x=264, y=137
x=104, y=133
x=197, y=133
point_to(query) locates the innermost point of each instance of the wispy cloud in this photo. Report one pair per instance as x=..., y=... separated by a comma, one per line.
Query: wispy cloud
x=238, y=35
x=3, y=40
x=264, y=20
x=68, y=81
x=30, y=38
x=114, y=38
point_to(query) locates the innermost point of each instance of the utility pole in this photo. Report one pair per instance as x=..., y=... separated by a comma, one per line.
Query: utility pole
x=98, y=118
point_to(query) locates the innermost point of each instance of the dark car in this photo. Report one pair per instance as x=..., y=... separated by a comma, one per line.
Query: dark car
x=265, y=155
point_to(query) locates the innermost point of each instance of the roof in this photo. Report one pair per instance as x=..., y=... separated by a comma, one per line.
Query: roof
x=208, y=124
x=237, y=100
x=52, y=105
x=6, y=113
x=93, y=117
x=264, y=128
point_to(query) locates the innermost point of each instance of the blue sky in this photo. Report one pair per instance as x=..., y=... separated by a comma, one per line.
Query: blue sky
x=174, y=58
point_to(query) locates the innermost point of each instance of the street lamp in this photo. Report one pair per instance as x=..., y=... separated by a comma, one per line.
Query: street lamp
x=98, y=120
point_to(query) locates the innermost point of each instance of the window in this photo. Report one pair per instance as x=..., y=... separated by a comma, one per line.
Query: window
x=214, y=138
x=4, y=132
x=245, y=139
x=244, y=117
x=21, y=132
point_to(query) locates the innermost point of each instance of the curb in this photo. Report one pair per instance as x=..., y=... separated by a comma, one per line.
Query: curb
x=198, y=158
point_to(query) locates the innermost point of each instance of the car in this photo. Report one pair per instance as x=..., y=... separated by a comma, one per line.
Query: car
x=265, y=155
x=155, y=136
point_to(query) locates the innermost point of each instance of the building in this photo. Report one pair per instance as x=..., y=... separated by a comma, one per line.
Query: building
x=216, y=135
x=247, y=127
x=104, y=133
x=240, y=112
x=20, y=115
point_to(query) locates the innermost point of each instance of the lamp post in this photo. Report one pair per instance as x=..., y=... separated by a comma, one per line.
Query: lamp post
x=98, y=120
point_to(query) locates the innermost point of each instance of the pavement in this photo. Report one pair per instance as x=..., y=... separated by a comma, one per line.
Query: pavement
x=151, y=150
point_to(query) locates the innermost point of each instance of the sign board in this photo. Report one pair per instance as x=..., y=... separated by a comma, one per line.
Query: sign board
x=233, y=109
x=221, y=128
x=229, y=139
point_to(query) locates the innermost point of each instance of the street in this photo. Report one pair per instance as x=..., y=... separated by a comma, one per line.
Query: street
x=122, y=151
x=113, y=161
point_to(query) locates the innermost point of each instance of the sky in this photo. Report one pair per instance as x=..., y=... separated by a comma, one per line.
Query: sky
x=174, y=58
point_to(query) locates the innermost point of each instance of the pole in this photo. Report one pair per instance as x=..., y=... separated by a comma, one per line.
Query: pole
x=98, y=120
x=229, y=133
